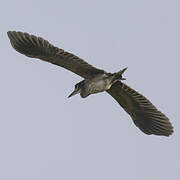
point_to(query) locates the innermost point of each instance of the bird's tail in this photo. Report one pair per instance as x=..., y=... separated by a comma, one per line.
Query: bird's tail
x=118, y=75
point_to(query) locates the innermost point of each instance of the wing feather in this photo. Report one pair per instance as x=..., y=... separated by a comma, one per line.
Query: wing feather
x=144, y=114
x=37, y=47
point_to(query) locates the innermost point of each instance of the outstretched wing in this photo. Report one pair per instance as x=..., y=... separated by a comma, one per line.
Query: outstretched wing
x=143, y=112
x=37, y=47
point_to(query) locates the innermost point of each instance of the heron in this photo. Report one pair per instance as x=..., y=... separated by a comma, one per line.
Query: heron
x=143, y=113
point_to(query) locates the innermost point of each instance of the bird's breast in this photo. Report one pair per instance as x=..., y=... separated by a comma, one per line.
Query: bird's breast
x=97, y=85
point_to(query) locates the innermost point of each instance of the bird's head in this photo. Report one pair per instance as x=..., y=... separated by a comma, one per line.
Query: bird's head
x=77, y=89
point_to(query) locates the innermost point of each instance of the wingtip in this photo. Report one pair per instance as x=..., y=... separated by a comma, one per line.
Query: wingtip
x=8, y=33
x=11, y=34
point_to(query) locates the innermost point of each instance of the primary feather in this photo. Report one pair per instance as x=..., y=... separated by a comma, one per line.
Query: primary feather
x=37, y=47
x=142, y=111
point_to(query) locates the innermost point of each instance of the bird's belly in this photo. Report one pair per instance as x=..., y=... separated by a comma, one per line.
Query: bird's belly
x=99, y=86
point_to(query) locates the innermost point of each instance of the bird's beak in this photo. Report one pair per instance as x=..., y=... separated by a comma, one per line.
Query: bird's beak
x=73, y=93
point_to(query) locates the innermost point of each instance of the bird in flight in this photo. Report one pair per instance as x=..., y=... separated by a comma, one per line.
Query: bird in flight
x=143, y=113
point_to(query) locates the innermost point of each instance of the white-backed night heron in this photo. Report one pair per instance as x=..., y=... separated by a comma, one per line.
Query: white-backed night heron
x=142, y=111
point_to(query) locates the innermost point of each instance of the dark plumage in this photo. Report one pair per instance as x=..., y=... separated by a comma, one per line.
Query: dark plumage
x=142, y=111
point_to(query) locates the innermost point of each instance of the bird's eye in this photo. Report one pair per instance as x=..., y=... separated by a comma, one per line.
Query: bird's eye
x=76, y=86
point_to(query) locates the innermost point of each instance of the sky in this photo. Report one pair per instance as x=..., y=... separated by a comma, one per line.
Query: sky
x=44, y=135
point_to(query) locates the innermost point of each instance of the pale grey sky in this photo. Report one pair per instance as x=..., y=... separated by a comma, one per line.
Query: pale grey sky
x=46, y=136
